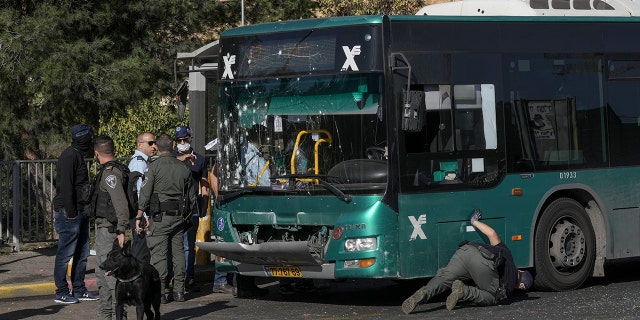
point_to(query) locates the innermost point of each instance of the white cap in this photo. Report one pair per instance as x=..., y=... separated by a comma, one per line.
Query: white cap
x=212, y=145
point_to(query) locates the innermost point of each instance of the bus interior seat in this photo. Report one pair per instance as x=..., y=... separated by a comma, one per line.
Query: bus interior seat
x=448, y=172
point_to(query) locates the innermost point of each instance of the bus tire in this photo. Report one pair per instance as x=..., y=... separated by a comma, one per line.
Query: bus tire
x=564, y=246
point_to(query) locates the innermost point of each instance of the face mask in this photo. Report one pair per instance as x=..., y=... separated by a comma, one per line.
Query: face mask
x=184, y=147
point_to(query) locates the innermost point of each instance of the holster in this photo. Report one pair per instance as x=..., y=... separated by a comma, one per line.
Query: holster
x=154, y=204
x=154, y=208
x=486, y=253
x=184, y=206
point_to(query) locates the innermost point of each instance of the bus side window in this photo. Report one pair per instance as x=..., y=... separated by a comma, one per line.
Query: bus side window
x=439, y=119
x=475, y=117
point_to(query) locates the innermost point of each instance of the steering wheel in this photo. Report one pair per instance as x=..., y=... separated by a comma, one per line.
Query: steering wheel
x=375, y=153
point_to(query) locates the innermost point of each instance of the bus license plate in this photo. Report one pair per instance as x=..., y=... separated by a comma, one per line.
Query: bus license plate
x=289, y=272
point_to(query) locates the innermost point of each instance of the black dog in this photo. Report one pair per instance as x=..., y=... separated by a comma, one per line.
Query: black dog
x=137, y=283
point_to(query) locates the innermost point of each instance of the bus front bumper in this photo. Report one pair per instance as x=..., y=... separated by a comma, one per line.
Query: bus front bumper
x=256, y=259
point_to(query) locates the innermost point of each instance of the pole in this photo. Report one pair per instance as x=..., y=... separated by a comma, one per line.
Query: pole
x=242, y=12
x=17, y=206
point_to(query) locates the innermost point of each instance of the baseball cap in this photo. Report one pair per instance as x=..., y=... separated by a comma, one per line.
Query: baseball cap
x=80, y=130
x=526, y=280
x=182, y=131
x=212, y=145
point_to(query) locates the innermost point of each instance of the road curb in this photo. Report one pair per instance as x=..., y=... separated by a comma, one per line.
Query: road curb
x=35, y=289
x=21, y=290
x=27, y=290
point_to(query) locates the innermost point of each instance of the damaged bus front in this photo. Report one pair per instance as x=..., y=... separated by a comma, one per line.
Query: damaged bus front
x=303, y=162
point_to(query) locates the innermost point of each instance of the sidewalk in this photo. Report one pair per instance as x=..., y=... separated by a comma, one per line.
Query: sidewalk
x=30, y=273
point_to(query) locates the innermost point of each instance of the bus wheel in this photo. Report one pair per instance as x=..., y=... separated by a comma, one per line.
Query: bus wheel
x=564, y=246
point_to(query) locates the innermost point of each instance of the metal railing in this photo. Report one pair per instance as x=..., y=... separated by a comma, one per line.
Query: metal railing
x=27, y=188
x=26, y=196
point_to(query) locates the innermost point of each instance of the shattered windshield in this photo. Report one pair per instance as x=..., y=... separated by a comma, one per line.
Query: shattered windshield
x=279, y=132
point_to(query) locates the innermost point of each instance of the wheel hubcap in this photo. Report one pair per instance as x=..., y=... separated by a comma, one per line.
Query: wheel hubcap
x=567, y=245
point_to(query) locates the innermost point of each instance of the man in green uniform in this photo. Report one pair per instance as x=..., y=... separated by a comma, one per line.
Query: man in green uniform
x=111, y=210
x=490, y=267
x=167, y=193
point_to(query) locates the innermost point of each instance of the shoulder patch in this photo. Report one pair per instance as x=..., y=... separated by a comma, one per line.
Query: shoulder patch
x=111, y=181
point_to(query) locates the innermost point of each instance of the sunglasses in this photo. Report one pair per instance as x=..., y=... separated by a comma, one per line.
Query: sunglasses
x=150, y=143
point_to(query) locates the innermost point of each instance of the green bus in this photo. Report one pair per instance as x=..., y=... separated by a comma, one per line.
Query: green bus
x=380, y=134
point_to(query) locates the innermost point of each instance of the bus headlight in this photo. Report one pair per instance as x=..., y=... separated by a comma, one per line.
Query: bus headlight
x=355, y=264
x=360, y=244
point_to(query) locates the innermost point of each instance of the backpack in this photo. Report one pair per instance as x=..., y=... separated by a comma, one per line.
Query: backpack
x=131, y=188
x=129, y=181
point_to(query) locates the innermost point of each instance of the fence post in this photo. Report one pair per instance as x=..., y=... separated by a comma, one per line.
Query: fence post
x=17, y=206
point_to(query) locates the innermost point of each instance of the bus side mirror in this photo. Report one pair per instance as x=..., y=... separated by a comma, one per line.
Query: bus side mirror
x=413, y=111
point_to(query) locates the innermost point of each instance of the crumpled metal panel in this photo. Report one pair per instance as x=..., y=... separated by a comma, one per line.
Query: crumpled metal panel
x=268, y=253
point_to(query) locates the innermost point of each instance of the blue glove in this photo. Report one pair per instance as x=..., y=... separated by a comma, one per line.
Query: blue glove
x=477, y=215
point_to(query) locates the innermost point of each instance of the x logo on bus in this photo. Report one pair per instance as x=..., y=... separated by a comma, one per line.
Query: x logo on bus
x=228, y=60
x=417, y=227
x=350, y=54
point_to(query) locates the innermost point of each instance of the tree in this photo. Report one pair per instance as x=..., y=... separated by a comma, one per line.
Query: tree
x=228, y=12
x=65, y=62
x=68, y=61
x=335, y=8
x=124, y=128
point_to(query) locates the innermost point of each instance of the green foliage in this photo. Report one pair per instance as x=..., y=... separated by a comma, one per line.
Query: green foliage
x=229, y=11
x=69, y=61
x=335, y=8
x=64, y=62
x=147, y=116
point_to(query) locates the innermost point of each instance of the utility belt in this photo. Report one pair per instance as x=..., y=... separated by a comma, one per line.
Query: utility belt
x=486, y=253
x=168, y=208
x=170, y=213
x=111, y=228
x=157, y=217
x=171, y=205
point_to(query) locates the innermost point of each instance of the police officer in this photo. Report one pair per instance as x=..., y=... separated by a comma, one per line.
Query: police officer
x=490, y=267
x=168, y=195
x=109, y=202
x=145, y=148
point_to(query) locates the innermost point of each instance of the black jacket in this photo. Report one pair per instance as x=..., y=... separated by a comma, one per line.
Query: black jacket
x=506, y=266
x=72, y=178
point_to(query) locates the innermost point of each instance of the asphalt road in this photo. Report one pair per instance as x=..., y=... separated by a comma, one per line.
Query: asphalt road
x=615, y=297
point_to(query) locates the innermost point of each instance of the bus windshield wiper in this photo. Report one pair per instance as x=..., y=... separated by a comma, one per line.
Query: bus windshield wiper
x=320, y=178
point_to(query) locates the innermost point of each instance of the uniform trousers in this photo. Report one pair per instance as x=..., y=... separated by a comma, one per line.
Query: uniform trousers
x=106, y=284
x=167, y=241
x=468, y=264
